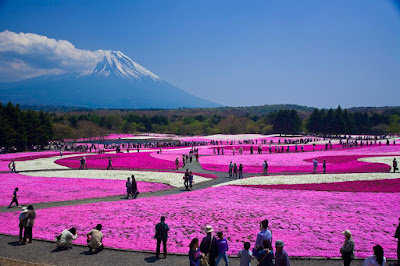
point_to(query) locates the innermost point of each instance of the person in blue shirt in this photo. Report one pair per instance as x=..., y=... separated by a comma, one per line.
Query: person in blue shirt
x=265, y=234
x=222, y=249
x=194, y=252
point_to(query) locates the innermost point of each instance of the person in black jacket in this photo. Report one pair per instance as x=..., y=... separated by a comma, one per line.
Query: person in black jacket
x=209, y=246
x=161, y=235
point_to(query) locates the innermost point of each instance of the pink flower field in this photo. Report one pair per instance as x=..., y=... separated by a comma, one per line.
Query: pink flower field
x=384, y=185
x=297, y=217
x=338, y=161
x=43, y=189
x=133, y=160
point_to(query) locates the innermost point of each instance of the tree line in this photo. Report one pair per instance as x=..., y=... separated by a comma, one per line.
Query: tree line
x=23, y=128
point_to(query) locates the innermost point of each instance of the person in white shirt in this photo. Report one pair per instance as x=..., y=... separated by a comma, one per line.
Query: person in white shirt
x=377, y=259
x=64, y=240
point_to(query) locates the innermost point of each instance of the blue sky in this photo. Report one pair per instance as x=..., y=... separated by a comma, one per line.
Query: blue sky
x=239, y=53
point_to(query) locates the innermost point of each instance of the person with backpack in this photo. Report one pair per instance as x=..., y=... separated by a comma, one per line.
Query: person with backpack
x=266, y=255
x=161, y=236
x=209, y=247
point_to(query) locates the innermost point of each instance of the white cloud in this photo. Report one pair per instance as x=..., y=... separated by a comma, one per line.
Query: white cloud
x=25, y=55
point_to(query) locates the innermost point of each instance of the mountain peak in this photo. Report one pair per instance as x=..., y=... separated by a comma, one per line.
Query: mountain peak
x=116, y=63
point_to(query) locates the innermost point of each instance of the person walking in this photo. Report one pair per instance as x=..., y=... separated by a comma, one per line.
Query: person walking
x=397, y=235
x=64, y=240
x=23, y=219
x=110, y=164
x=347, y=250
x=209, y=246
x=13, y=167
x=31, y=217
x=95, y=239
x=222, y=249
x=177, y=163
x=194, y=252
x=394, y=165
x=230, y=169
x=240, y=171
x=281, y=256
x=14, y=198
x=377, y=259
x=324, y=166
x=161, y=236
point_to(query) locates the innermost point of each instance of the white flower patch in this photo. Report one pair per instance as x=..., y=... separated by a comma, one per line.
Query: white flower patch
x=386, y=160
x=310, y=179
x=169, y=178
x=43, y=163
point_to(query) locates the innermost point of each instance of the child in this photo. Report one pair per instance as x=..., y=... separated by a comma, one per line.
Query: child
x=194, y=252
x=222, y=248
x=245, y=255
x=14, y=199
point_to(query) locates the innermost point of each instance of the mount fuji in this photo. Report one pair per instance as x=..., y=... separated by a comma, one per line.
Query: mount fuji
x=115, y=82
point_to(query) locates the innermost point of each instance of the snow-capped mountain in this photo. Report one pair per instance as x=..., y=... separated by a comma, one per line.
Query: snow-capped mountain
x=118, y=64
x=115, y=82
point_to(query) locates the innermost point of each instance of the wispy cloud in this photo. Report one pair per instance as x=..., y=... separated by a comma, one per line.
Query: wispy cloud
x=25, y=55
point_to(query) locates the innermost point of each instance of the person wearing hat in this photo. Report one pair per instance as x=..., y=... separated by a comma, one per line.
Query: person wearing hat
x=23, y=219
x=347, y=249
x=31, y=217
x=161, y=235
x=281, y=256
x=209, y=246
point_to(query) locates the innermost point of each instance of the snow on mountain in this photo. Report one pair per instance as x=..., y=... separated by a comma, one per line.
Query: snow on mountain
x=115, y=63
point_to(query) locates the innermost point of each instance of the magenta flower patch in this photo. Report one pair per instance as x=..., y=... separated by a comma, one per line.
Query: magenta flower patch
x=297, y=217
x=44, y=189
